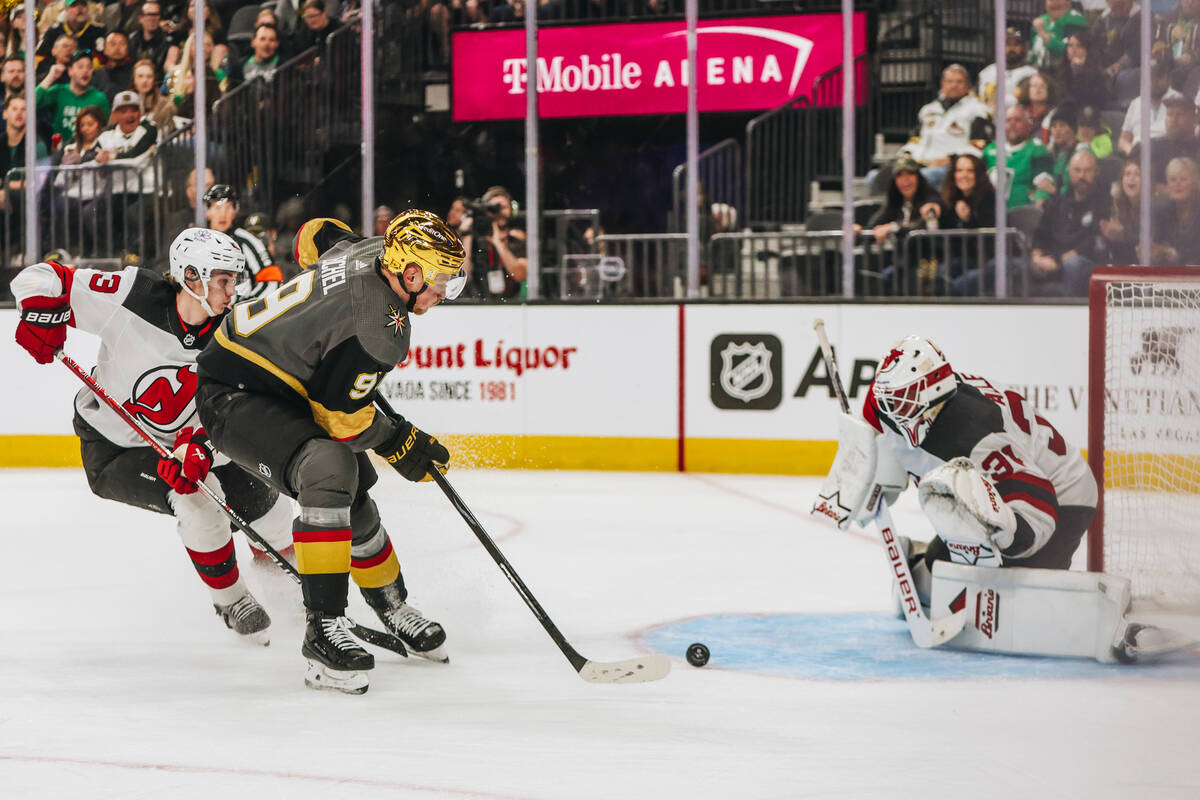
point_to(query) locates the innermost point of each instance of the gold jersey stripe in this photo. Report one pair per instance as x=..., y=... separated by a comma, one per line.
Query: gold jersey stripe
x=339, y=424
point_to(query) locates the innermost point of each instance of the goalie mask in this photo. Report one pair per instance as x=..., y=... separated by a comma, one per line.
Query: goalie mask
x=421, y=238
x=911, y=383
x=199, y=252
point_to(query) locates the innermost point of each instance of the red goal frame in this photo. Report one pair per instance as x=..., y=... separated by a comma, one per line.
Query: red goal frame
x=1097, y=325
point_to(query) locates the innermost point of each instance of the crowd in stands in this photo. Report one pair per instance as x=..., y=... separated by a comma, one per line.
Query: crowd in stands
x=1073, y=129
x=115, y=80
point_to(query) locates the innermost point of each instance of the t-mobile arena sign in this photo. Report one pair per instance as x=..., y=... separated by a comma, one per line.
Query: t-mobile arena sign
x=641, y=68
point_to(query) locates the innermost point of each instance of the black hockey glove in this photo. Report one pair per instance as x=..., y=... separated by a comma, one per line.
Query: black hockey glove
x=413, y=453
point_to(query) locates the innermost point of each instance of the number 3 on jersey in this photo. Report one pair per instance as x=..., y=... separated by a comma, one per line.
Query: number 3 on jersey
x=249, y=317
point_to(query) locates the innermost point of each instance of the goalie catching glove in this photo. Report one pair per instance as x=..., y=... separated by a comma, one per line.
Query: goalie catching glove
x=863, y=473
x=190, y=463
x=414, y=453
x=967, y=512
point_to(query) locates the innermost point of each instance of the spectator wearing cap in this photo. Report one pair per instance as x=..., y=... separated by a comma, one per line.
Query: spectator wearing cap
x=1050, y=32
x=1114, y=38
x=117, y=73
x=1092, y=132
x=1017, y=68
x=12, y=76
x=262, y=273
x=129, y=143
x=61, y=53
x=76, y=22
x=317, y=25
x=66, y=101
x=265, y=60
x=912, y=203
x=1160, y=90
x=1178, y=139
x=1063, y=144
x=947, y=125
x=16, y=32
x=1025, y=159
x=149, y=41
x=1068, y=242
x=1176, y=222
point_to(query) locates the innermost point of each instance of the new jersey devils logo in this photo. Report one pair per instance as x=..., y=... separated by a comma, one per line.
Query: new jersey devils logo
x=163, y=397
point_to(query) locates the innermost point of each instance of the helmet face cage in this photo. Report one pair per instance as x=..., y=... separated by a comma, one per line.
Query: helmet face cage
x=423, y=239
x=913, y=378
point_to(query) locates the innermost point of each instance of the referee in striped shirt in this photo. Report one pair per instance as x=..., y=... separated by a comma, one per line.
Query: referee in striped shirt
x=262, y=273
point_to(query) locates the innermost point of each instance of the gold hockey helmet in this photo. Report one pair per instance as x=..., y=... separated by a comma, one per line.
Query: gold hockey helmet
x=422, y=238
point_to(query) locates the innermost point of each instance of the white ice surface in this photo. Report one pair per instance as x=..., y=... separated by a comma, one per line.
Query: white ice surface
x=118, y=681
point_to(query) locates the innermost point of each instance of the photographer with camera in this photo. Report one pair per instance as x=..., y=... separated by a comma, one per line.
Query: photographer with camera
x=497, y=264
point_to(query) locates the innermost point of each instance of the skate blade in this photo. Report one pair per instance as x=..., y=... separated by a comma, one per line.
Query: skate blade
x=318, y=676
x=261, y=638
x=437, y=654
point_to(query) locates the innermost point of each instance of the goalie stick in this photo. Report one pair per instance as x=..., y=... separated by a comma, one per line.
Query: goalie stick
x=369, y=635
x=632, y=670
x=925, y=632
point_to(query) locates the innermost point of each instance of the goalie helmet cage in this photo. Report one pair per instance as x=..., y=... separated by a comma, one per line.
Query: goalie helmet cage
x=1144, y=430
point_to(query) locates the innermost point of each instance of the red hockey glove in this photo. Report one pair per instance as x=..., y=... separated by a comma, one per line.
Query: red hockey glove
x=43, y=326
x=193, y=449
x=171, y=471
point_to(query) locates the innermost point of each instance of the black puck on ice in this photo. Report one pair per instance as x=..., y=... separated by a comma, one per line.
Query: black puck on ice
x=697, y=655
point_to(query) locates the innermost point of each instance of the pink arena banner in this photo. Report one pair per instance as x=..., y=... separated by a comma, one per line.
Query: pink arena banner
x=744, y=64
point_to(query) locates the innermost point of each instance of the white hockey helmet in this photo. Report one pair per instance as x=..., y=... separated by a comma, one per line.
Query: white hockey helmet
x=199, y=252
x=912, y=381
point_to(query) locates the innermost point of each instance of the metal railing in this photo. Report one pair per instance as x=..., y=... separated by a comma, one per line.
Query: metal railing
x=653, y=264
x=566, y=232
x=720, y=181
x=94, y=212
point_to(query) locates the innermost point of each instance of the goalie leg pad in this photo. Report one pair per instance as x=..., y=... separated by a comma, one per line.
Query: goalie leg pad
x=1030, y=611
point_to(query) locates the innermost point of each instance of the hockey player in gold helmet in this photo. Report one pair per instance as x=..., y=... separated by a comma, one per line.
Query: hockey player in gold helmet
x=309, y=358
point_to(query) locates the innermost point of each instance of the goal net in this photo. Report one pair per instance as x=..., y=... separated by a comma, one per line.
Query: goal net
x=1144, y=430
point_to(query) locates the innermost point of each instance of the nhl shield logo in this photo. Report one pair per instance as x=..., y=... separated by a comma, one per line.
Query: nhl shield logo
x=746, y=371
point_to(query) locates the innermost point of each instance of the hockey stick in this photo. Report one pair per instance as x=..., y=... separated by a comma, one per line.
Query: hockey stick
x=925, y=632
x=632, y=670
x=377, y=638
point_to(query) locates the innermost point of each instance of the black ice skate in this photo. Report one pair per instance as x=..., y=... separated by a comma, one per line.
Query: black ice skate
x=247, y=618
x=423, y=637
x=335, y=660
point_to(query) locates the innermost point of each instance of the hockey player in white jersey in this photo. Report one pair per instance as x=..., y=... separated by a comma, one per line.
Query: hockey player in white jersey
x=998, y=482
x=151, y=329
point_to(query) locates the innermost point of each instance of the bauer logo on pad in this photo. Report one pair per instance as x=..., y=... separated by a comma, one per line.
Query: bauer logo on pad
x=746, y=371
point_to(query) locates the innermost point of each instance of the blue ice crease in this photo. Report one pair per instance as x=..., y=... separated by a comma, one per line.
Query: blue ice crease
x=856, y=647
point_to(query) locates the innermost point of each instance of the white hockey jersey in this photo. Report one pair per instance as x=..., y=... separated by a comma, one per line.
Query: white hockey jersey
x=147, y=358
x=946, y=131
x=1035, y=470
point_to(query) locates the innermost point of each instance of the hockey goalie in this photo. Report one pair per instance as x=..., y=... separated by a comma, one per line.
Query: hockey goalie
x=1008, y=498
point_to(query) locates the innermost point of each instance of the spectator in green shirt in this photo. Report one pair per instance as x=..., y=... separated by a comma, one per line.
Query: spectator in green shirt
x=1050, y=32
x=1026, y=157
x=67, y=101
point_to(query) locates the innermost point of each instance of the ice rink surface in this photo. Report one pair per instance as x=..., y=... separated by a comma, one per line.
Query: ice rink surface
x=119, y=682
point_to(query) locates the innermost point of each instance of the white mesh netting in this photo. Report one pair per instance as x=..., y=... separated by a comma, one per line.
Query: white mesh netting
x=1152, y=439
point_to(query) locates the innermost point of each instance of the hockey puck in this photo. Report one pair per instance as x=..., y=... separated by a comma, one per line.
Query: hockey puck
x=697, y=655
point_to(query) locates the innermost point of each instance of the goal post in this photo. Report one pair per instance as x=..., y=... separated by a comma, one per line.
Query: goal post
x=1144, y=429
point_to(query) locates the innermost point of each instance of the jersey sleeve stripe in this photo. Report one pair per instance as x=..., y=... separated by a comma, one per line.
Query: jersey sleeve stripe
x=1049, y=509
x=1032, y=480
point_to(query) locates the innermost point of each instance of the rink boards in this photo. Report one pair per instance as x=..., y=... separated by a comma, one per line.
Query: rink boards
x=711, y=388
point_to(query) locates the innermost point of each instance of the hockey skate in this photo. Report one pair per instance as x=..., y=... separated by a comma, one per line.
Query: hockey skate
x=247, y=618
x=423, y=637
x=335, y=660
